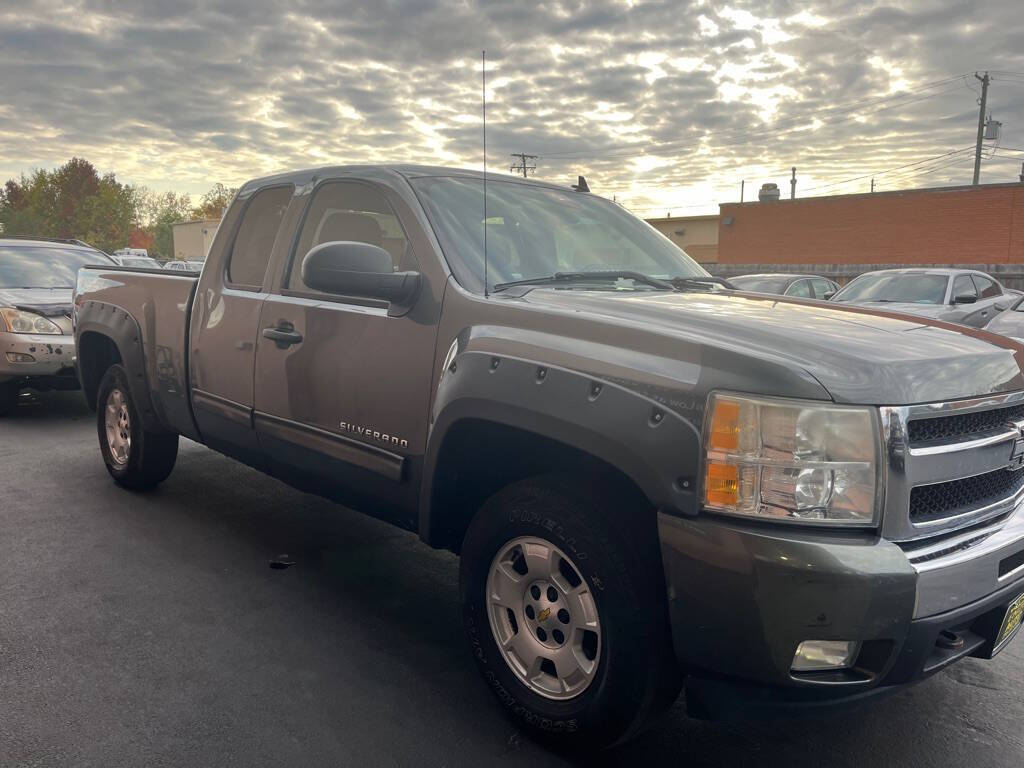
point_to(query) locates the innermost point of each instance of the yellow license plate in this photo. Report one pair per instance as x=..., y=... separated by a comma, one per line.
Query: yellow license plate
x=1012, y=622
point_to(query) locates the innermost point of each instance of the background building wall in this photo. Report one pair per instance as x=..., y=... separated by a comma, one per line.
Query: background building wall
x=953, y=225
x=192, y=239
x=697, y=235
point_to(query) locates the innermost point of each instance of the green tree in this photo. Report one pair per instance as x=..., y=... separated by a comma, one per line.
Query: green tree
x=72, y=201
x=213, y=204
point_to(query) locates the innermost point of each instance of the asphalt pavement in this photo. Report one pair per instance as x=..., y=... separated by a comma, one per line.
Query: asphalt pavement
x=149, y=630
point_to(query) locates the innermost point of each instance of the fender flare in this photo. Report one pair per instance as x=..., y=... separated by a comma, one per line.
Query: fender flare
x=123, y=330
x=655, y=447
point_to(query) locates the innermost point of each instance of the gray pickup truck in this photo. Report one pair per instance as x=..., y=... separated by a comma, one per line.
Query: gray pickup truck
x=653, y=481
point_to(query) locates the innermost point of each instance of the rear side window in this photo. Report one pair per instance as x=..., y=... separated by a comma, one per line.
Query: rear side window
x=349, y=211
x=801, y=289
x=962, y=286
x=986, y=288
x=250, y=253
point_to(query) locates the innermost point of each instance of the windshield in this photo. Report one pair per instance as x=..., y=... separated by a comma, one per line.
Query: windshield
x=912, y=288
x=535, y=231
x=26, y=266
x=760, y=284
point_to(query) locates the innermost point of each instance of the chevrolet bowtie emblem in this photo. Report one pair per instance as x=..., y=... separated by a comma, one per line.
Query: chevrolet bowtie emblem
x=543, y=615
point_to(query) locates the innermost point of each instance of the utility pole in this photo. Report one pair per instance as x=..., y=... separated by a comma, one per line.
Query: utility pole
x=872, y=184
x=527, y=163
x=792, y=185
x=981, y=125
x=743, y=183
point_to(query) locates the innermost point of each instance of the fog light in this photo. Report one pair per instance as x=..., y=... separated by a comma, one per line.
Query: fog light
x=822, y=655
x=19, y=357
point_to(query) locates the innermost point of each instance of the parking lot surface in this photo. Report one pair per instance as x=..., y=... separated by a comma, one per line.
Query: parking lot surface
x=149, y=629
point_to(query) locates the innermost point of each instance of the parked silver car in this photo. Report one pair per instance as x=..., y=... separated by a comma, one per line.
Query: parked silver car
x=784, y=284
x=184, y=266
x=959, y=296
x=1010, y=323
x=36, y=346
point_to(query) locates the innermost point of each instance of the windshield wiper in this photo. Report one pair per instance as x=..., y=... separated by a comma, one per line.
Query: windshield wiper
x=697, y=282
x=587, y=277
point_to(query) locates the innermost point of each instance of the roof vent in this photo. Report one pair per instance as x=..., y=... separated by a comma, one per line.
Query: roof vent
x=768, y=193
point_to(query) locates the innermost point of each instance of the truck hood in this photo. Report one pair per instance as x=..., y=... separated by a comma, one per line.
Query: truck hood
x=858, y=354
x=49, y=302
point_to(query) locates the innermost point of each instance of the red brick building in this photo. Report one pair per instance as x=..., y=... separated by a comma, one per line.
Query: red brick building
x=981, y=225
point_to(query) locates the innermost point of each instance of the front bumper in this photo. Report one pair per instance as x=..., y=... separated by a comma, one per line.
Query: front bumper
x=743, y=597
x=52, y=359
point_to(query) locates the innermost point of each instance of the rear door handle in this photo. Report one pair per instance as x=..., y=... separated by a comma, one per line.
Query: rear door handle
x=283, y=337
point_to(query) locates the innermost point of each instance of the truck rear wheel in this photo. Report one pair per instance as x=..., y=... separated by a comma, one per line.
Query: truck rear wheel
x=565, y=612
x=135, y=457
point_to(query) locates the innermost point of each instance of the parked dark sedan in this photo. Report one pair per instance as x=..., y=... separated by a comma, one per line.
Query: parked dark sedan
x=783, y=284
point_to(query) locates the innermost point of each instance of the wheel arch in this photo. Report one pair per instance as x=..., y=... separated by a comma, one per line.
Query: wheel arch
x=106, y=335
x=499, y=419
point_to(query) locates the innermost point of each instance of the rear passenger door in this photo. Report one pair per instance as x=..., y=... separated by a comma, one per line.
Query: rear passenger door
x=225, y=323
x=990, y=300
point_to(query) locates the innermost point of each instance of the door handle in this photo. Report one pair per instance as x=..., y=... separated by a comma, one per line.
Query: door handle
x=283, y=336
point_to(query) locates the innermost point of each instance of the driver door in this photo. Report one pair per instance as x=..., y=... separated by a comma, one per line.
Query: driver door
x=342, y=389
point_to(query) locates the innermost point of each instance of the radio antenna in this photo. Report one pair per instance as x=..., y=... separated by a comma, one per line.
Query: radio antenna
x=483, y=89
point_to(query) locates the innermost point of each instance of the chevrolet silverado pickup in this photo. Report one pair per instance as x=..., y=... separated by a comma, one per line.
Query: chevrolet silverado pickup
x=654, y=482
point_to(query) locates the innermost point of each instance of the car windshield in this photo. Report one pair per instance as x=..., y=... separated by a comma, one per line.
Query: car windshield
x=907, y=288
x=41, y=266
x=760, y=283
x=535, y=231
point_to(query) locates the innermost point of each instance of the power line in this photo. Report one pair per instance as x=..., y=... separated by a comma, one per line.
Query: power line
x=527, y=163
x=889, y=170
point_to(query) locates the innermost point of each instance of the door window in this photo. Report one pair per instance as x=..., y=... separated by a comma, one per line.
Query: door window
x=823, y=287
x=250, y=252
x=987, y=289
x=962, y=286
x=349, y=211
x=801, y=288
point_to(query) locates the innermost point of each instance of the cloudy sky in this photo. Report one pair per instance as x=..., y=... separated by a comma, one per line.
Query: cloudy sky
x=665, y=105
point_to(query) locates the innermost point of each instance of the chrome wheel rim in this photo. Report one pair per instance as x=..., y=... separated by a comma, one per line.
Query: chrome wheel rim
x=544, y=618
x=118, y=426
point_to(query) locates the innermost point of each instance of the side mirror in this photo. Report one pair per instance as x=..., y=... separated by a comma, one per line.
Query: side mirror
x=829, y=295
x=359, y=269
x=965, y=298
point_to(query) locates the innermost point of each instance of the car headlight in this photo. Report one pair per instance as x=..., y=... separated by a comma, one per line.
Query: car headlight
x=20, y=321
x=791, y=461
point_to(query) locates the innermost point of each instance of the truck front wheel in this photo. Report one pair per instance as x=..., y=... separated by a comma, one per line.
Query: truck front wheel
x=564, y=606
x=135, y=457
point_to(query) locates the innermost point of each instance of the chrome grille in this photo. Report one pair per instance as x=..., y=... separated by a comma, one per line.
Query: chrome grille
x=947, y=465
x=964, y=426
x=955, y=497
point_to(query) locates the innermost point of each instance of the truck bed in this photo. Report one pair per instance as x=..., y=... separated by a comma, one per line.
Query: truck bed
x=149, y=310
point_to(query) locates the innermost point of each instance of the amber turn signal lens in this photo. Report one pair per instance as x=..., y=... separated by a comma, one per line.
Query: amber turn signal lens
x=722, y=484
x=725, y=426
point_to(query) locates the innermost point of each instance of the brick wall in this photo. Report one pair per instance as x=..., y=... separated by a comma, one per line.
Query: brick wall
x=955, y=225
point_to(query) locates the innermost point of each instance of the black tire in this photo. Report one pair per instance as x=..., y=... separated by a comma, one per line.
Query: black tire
x=637, y=676
x=9, y=397
x=150, y=455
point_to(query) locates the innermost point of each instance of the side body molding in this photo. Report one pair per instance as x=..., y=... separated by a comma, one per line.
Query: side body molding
x=656, y=447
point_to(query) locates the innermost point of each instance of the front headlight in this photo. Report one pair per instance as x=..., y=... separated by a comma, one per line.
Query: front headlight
x=20, y=321
x=805, y=462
